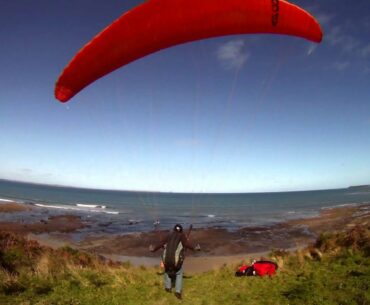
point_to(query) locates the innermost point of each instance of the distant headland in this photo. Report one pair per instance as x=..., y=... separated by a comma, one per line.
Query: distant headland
x=360, y=188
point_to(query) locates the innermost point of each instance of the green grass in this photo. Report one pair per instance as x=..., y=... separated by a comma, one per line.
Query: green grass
x=340, y=274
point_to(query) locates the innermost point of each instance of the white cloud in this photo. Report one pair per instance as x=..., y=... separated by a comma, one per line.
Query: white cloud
x=365, y=51
x=232, y=55
x=367, y=70
x=345, y=37
x=311, y=48
x=337, y=38
x=324, y=18
x=340, y=66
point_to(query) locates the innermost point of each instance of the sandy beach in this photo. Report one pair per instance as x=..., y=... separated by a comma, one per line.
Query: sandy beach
x=219, y=246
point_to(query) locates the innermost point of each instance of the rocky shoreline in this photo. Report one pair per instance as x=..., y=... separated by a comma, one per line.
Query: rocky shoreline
x=218, y=245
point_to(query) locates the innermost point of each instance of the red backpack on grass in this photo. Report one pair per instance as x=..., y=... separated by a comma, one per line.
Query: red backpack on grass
x=260, y=268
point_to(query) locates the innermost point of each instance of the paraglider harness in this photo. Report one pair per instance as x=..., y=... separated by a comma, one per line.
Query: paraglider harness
x=174, y=253
x=259, y=268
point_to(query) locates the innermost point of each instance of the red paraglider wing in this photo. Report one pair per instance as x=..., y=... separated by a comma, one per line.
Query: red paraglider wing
x=159, y=24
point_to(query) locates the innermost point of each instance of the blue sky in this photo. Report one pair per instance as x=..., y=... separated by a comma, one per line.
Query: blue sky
x=245, y=113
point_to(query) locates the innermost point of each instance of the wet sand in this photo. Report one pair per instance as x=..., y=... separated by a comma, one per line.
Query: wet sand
x=219, y=246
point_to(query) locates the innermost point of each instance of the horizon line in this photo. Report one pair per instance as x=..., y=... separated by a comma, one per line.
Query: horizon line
x=170, y=192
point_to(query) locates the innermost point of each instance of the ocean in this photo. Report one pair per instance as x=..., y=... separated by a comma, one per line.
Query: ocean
x=121, y=212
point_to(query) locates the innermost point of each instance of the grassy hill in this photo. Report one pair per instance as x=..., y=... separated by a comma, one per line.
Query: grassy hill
x=336, y=270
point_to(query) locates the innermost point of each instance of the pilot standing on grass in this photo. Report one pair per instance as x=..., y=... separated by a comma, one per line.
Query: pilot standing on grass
x=174, y=245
